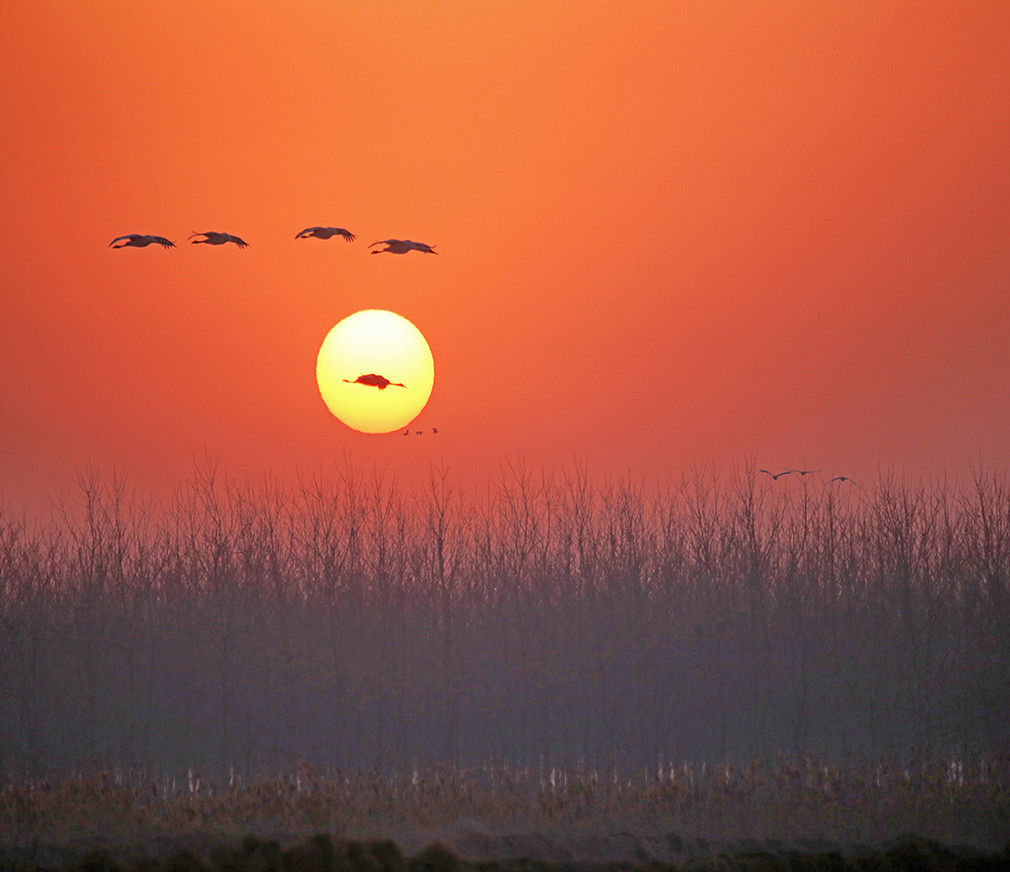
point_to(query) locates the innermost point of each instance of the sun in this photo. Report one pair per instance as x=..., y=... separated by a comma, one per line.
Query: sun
x=375, y=371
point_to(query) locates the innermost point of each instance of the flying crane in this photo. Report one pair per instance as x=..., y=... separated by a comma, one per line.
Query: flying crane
x=402, y=246
x=776, y=475
x=374, y=380
x=214, y=238
x=140, y=240
x=326, y=233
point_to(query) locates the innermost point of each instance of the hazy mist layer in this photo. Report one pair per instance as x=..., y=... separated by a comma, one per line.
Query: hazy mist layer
x=551, y=620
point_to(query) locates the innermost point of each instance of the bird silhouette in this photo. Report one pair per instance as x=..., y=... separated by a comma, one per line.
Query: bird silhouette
x=406, y=432
x=139, y=240
x=802, y=471
x=434, y=429
x=374, y=380
x=845, y=478
x=402, y=246
x=214, y=238
x=775, y=475
x=326, y=233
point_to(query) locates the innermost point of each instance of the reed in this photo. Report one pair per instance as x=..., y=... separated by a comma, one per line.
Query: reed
x=789, y=800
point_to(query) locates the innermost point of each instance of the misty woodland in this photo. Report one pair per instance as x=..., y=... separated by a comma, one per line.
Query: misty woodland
x=549, y=620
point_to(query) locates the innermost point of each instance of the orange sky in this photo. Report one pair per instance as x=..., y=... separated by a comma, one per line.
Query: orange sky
x=670, y=233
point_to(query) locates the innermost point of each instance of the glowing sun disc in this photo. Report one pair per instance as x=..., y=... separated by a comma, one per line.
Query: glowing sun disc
x=359, y=355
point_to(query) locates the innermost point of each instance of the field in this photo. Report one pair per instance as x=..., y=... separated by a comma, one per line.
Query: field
x=721, y=658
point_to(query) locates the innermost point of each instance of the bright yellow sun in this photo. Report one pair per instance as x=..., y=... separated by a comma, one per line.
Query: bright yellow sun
x=375, y=371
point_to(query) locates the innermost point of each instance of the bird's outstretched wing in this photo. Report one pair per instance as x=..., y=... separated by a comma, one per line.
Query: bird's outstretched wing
x=420, y=246
x=308, y=231
x=386, y=242
x=125, y=239
x=238, y=240
x=162, y=241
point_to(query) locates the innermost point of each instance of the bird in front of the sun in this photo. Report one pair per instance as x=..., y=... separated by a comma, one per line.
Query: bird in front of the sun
x=212, y=237
x=374, y=380
x=776, y=475
x=326, y=233
x=141, y=240
x=401, y=246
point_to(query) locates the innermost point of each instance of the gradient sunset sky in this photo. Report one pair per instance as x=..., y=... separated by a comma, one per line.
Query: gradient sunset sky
x=670, y=233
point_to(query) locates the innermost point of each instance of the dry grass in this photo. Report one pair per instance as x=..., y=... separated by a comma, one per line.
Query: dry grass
x=788, y=801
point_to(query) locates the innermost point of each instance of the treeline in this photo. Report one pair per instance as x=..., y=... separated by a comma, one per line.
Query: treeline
x=547, y=620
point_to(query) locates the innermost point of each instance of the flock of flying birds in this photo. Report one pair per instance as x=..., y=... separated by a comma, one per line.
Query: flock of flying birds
x=213, y=237
x=802, y=472
x=393, y=246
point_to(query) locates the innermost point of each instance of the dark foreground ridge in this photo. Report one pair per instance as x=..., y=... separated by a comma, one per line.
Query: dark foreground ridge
x=529, y=853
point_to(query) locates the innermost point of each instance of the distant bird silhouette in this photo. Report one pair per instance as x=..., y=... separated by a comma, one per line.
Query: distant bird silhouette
x=326, y=233
x=139, y=240
x=434, y=429
x=802, y=471
x=845, y=478
x=406, y=432
x=214, y=238
x=375, y=381
x=402, y=246
x=775, y=475
x=419, y=432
